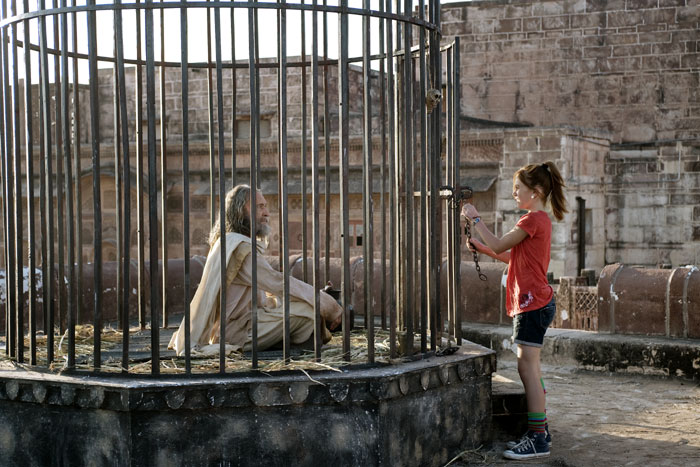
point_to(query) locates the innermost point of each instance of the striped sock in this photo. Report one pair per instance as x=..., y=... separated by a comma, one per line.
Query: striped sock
x=536, y=421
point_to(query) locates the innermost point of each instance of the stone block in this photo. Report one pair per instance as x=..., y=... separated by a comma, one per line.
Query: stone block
x=628, y=50
x=659, y=16
x=690, y=60
x=589, y=20
x=508, y=25
x=689, y=14
x=597, y=52
x=605, y=5
x=641, y=4
x=517, y=11
x=617, y=19
x=482, y=26
x=450, y=15
x=621, y=39
x=619, y=65
x=654, y=37
x=555, y=22
x=661, y=62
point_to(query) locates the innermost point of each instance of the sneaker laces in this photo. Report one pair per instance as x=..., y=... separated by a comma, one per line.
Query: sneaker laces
x=524, y=445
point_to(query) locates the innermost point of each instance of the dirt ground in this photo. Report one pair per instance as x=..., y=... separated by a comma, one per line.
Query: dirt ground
x=610, y=419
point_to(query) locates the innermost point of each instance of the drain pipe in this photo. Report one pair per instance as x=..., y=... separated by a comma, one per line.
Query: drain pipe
x=581, y=234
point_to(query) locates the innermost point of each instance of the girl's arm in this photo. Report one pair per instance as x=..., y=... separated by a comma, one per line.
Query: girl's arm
x=481, y=248
x=497, y=245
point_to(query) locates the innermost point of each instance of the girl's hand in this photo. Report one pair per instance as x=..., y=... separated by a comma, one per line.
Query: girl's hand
x=469, y=211
x=475, y=246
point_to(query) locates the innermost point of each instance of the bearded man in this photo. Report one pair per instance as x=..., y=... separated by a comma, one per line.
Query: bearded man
x=204, y=310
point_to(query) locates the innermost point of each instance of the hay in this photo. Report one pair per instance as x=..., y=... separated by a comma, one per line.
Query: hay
x=332, y=355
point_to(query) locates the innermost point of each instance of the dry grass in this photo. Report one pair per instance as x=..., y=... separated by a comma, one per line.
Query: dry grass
x=332, y=355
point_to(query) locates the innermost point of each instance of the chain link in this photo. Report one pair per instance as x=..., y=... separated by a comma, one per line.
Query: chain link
x=454, y=204
x=468, y=231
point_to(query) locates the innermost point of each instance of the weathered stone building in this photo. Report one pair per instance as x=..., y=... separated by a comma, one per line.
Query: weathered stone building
x=609, y=90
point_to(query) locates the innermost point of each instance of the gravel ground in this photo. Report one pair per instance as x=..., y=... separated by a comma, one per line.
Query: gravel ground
x=610, y=419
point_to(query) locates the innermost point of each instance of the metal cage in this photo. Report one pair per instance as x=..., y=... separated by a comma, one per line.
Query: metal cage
x=90, y=154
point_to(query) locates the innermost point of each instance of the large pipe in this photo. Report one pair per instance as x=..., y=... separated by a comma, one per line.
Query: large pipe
x=660, y=302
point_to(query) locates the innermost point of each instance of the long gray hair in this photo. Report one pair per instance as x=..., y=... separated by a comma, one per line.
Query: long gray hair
x=237, y=219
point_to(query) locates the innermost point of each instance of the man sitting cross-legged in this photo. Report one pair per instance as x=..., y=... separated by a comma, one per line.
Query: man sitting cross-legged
x=204, y=310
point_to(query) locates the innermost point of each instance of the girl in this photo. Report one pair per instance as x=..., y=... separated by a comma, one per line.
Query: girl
x=529, y=297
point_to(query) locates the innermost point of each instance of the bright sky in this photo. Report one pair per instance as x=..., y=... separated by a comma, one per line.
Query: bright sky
x=197, y=29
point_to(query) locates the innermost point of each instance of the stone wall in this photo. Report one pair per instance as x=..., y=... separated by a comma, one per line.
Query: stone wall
x=630, y=67
x=652, y=214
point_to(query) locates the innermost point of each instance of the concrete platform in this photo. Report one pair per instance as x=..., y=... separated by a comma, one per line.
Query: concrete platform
x=600, y=351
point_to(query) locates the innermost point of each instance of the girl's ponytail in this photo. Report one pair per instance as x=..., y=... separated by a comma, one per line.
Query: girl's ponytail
x=556, y=193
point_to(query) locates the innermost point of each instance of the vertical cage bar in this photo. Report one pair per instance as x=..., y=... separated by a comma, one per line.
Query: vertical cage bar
x=455, y=155
x=222, y=188
x=185, y=174
x=423, y=188
x=125, y=262
x=435, y=164
x=283, y=196
x=46, y=190
x=327, y=153
x=140, y=190
x=252, y=70
x=449, y=181
x=4, y=151
x=152, y=189
x=96, y=196
x=29, y=158
x=68, y=187
x=164, y=171
x=15, y=181
x=408, y=174
x=234, y=100
x=60, y=173
x=318, y=341
x=343, y=138
x=367, y=189
x=392, y=178
x=399, y=180
x=45, y=305
x=304, y=188
x=256, y=122
x=383, y=168
x=18, y=325
x=210, y=110
x=78, y=172
x=116, y=143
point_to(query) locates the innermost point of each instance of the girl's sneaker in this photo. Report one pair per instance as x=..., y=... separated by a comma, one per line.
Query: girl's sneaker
x=530, y=447
x=548, y=438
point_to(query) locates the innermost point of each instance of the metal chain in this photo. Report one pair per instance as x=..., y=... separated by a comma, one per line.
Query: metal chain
x=455, y=204
x=468, y=231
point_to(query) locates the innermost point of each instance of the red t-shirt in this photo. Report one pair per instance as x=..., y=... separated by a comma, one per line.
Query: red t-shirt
x=527, y=287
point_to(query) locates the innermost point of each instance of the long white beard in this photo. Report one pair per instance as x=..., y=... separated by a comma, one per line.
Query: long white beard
x=263, y=235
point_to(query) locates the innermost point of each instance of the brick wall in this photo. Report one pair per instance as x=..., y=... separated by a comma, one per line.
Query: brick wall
x=629, y=67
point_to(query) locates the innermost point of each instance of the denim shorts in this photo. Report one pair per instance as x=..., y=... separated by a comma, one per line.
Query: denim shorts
x=529, y=327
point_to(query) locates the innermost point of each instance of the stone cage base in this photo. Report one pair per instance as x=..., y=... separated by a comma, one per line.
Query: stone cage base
x=422, y=412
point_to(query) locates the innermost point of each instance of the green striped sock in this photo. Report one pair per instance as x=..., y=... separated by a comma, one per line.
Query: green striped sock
x=536, y=421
